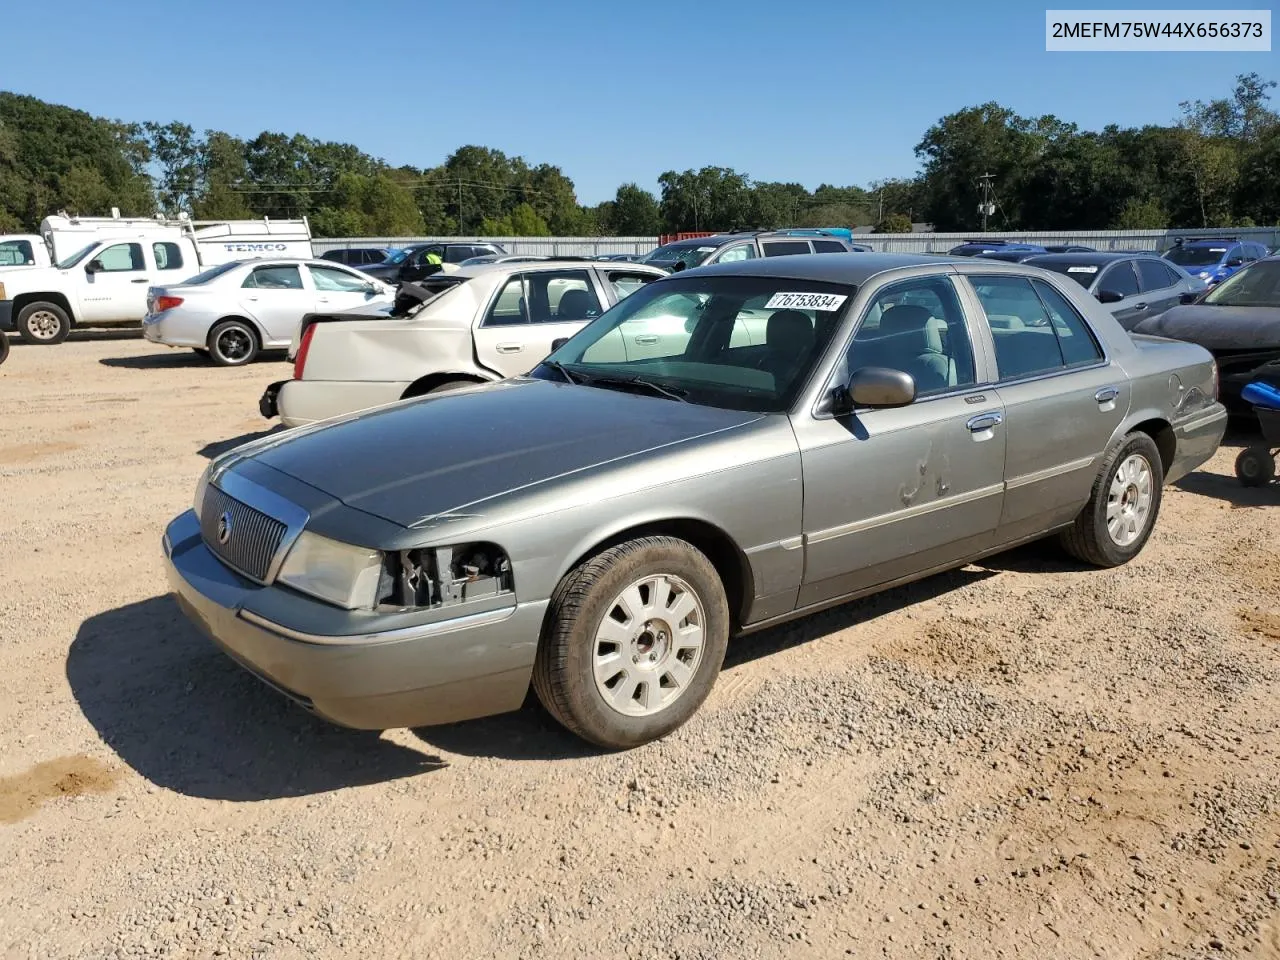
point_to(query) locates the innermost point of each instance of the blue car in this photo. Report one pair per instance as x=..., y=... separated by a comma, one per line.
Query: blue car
x=1213, y=259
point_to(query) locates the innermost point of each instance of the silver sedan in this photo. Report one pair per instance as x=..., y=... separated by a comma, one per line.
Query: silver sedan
x=231, y=312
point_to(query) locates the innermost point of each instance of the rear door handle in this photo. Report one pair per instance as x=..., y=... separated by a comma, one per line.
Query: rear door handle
x=1139, y=306
x=1106, y=394
x=646, y=338
x=984, y=421
x=510, y=347
x=143, y=280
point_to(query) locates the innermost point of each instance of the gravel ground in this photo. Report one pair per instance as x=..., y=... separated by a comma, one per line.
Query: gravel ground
x=1022, y=758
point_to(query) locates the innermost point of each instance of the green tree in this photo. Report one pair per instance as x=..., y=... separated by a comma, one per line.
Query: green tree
x=633, y=213
x=894, y=223
x=1141, y=215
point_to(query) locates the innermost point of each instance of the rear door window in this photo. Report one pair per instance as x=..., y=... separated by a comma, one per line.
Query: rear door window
x=785, y=248
x=279, y=277
x=1153, y=275
x=1120, y=278
x=829, y=246
x=168, y=255
x=16, y=253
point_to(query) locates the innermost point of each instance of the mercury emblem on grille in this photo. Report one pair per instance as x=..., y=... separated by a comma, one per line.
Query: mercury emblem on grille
x=224, y=528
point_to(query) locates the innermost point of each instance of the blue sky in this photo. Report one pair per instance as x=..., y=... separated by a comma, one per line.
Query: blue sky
x=835, y=91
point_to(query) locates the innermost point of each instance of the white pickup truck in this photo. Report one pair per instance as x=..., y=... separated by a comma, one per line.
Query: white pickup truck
x=102, y=280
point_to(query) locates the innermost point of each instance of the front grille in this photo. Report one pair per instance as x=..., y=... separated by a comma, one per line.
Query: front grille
x=252, y=537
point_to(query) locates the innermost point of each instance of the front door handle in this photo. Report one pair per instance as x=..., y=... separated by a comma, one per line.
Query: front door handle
x=646, y=338
x=1106, y=394
x=510, y=347
x=1139, y=306
x=984, y=421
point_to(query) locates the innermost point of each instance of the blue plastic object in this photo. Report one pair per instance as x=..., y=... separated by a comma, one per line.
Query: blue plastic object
x=1261, y=395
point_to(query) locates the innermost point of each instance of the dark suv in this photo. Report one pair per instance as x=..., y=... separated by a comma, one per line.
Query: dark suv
x=745, y=245
x=410, y=264
x=360, y=257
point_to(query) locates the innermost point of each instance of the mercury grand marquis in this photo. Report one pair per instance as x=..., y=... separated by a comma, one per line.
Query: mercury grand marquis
x=723, y=450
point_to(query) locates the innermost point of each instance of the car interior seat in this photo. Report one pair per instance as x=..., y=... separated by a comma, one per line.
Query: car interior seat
x=575, y=305
x=789, y=339
x=916, y=346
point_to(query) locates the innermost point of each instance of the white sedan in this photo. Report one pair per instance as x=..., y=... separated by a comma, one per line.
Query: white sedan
x=231, y=312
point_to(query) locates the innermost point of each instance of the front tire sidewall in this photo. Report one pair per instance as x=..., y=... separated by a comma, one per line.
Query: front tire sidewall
x=31, y=312
x=215, y=348
x=572, y=635
x=1113, y=553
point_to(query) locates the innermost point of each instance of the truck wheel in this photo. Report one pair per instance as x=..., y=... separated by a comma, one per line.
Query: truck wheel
x=634, y=641
x=4, y=347
x=1255, y=466
x=1121, y=512
x=233, y=343
x=43, y=323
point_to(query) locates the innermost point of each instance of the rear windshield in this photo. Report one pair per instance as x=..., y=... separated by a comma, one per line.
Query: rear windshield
x=689, y=254
x=1079, y=271
x=1196, y=256
x=211, y=274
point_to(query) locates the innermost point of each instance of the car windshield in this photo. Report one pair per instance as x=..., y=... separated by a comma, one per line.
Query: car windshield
x=1196, y=256
x=689, y=254
x=1256, y=286
x=743, y=343
x=211, y=274
x=76, y=257
x=1082, y=273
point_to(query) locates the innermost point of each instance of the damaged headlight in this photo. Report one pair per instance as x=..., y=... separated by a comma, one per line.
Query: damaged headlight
x=444, y=576
x=340, y=573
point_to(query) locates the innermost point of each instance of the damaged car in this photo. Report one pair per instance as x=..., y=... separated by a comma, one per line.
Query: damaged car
x=601, y=527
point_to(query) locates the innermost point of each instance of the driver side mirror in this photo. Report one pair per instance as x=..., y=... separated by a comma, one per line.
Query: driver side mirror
x=873, y=387
x=1235, y=262
x=1109, y=296
x=93, y=266
x=1189, y=298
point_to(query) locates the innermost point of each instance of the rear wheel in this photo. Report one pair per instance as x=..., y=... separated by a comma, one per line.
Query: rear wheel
x=635, y=640
x=4, y=347
x=1255, y=467
x=43, y=323
x=1121, y=513
x=233, y=343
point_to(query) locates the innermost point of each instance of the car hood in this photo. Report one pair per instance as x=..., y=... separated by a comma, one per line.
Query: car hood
x=1217, y=328
x=449, y=453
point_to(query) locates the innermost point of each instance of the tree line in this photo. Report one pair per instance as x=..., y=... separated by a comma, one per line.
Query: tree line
x=1217, y=164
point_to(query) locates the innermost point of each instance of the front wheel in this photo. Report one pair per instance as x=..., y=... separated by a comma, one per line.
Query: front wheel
x=4, y=347
x=233, y=343
x=1255, y=466
x=1121, y=512
x=43, y=323
x=634, y=642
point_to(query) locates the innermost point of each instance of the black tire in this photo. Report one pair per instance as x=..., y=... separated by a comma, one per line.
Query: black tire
x=563, y=673
x=1089, y=538
x=4, y=347
x=200, y=352
x=43, y=323
x=233, y=343
x=1255, y=467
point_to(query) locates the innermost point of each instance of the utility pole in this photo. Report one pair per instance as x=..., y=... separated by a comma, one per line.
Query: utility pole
x=986, y=207
x=461, y=232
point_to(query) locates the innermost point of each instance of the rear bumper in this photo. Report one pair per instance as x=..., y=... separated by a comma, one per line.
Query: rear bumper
x=442, y=672
x=1197, y=439
x=300, y=402
x=173, y=331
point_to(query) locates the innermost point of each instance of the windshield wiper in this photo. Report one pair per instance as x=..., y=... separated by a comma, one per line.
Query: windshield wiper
x=661, y=390
x=561, y=369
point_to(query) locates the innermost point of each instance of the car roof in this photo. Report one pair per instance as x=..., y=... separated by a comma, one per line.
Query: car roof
x=720, y=239
x=855, y=268
x=1096, y=257
x=529, y=266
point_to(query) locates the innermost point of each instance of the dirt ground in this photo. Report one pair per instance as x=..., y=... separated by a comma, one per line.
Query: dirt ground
x=1024, y=758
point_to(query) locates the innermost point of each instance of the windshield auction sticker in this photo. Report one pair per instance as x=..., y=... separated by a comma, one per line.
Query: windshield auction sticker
x=1182, y=31
x=805, y=301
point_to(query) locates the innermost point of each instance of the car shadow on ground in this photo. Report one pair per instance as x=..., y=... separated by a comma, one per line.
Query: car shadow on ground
x=180, y=713
x=174, y=358
x=218, y=447
x=1231, y=490
x=531, y=734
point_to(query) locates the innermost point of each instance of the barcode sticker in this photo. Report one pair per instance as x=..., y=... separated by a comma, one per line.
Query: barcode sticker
x=806, y=301
x=1082, y=269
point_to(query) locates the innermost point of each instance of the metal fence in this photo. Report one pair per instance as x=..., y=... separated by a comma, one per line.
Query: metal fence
x=887, y=242
x=529, y=246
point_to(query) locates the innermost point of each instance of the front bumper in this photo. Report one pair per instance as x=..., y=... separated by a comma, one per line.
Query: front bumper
x=6, y=315
x=441, y=672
